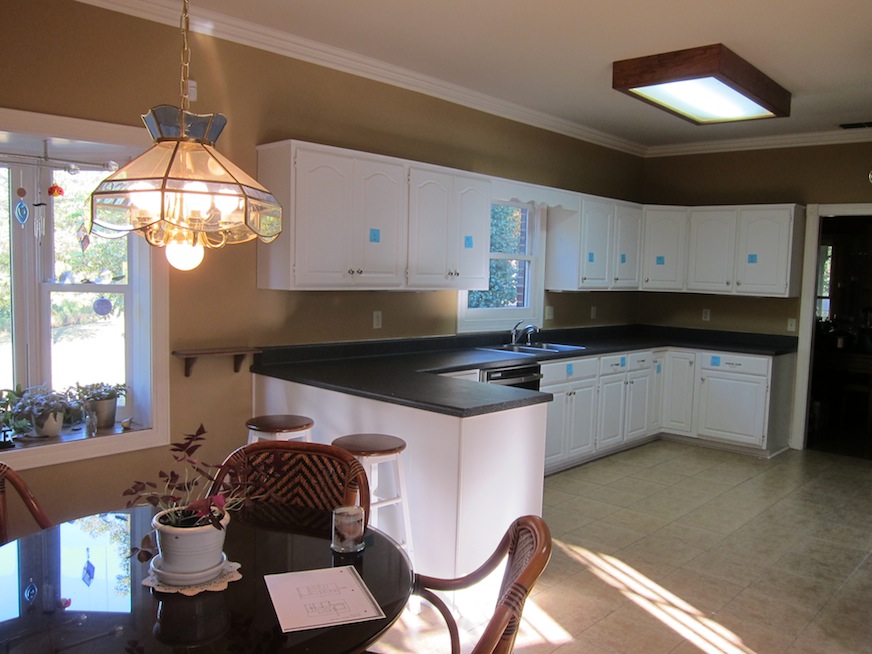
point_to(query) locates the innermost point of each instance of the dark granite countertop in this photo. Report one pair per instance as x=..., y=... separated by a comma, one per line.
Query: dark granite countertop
x=403, y=371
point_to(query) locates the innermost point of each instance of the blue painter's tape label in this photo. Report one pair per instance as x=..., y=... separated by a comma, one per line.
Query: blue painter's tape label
x=752, y=258
x=716, y=360
x=467, y=242
x=590, y=257
x=658, y=368
x=375, y=235
x=660, y=260
x=570, y=370
x=623, y=257
x=623, y=362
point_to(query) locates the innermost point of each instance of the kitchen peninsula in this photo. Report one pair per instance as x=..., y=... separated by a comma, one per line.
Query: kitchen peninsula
x=476, y=452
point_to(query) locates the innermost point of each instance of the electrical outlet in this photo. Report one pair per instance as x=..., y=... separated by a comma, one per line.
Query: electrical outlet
x=376, y=320
x=593, y=311
x=549, y=313
x=706, y=315
x=791, y=324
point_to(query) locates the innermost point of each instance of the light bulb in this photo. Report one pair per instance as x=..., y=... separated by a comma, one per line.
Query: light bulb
x=146, y=198
x=184, y=255
x=226, y=202
x=196, y=198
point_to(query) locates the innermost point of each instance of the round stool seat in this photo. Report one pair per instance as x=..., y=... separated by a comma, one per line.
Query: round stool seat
x=366, y=445
x=277, y=424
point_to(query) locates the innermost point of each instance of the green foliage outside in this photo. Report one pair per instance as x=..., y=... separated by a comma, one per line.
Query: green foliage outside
x=508, y=236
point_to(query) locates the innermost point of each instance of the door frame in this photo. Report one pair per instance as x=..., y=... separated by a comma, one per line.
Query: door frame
x=802, y=386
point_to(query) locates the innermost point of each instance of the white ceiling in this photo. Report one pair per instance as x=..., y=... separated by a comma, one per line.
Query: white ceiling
x=548, y=63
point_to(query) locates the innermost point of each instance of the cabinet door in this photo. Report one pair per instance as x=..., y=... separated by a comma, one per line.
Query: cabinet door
x=712, y=250
x=430, y=195
x=378, y=238
x=640, y=385
x=732, y=407
x=612, y=393
x=469, y=244
x=655, y=407
x=323, y=204
x=763, y=253
x=678, y=384
x=555, y=429
x=582, y=421
x=597, y=222
x=663, y=250
x=627, y=244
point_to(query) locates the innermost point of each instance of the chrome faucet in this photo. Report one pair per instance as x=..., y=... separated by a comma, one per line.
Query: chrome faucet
x=527, y=331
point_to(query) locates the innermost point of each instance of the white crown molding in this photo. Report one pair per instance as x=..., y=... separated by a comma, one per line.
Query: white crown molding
x=282, y=43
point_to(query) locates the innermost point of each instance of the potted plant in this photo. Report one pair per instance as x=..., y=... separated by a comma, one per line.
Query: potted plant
x=101, y=398
x=44, y=408
x=190, y=525
x=10, y=423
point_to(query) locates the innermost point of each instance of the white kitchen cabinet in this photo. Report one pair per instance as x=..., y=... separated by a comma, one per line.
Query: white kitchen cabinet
x=655, y=407
x=732, y=397
x=678, y=384
x=572, y=414
x=752, y=250
x=640, y=388
x=345, y=218
x=712, y=251
x=449, y=229
x=611, y=405
x=597, y=248
x=664, y=248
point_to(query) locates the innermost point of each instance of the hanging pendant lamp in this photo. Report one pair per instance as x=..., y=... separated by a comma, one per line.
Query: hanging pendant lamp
x=182, y=194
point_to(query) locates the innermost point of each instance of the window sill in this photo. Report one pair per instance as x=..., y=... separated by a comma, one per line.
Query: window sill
x=73, y=445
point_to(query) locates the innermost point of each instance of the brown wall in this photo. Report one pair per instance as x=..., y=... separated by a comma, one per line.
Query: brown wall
x=72, y=59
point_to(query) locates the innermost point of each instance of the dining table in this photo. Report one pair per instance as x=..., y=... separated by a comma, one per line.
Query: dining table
x=75, y=588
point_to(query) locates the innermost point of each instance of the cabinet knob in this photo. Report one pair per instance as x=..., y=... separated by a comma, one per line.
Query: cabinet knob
x=738, y=283
x=359, y=271
x=727, y=282
x=616, y=279
x=646, y=280
x=350, y=271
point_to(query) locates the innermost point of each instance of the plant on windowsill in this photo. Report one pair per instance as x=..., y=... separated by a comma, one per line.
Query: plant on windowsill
x=10, y=424
x=44, y=408
x=187, y=512
x=101, y=398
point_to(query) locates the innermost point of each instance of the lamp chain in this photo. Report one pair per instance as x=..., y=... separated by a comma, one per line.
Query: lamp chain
x=186, y=63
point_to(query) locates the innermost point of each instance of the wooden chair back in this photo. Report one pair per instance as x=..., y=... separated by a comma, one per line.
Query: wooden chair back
x=15, y=480
x=295, y=482
x=527, y=544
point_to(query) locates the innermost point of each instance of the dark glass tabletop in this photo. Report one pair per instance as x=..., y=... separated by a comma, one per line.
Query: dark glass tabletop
x=72, y=588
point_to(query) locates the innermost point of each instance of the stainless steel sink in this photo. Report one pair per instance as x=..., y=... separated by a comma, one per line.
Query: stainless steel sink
x=535, y=348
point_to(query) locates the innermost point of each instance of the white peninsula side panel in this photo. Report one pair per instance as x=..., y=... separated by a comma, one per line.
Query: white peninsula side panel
x=467, y=478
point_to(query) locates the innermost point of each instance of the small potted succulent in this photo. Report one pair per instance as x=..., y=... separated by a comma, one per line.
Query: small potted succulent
x=45, y=409
x=190, y=524
x=101, y=398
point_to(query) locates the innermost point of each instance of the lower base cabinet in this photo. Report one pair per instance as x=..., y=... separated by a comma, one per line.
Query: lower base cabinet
x=572, y=415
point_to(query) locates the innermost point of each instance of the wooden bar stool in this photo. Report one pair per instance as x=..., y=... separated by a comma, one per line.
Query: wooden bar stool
x=372, y=450
x=279, y=428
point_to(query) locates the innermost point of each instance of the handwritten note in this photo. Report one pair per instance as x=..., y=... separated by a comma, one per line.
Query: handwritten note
x=319, y=598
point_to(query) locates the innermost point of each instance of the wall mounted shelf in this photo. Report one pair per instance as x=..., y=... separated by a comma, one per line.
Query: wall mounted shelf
x=238, y=354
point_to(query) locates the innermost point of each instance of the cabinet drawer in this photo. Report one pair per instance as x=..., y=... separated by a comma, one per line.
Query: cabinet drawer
x=613, y=363
x=567, y=370
x=640, y=360
x=743, y=363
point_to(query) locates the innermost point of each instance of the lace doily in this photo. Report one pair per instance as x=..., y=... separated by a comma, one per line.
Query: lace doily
x=228, y=574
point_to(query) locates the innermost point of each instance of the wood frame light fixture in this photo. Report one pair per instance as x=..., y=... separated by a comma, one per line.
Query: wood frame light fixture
x=704, y=85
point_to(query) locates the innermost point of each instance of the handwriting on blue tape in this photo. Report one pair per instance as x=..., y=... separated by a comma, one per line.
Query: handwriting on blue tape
x=623, y=362
x=467, y=242
x=569, y=370
x=590, y=257
x=375, y=235
x=660, y=260
x=716, y=360
x=752, y=258
x=623, y=257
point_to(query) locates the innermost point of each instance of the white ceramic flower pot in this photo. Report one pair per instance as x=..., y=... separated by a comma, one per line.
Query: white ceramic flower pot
x=51, y=426
x=189, y=550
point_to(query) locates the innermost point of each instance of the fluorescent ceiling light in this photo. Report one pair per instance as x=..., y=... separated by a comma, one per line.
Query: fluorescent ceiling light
x=709, y=84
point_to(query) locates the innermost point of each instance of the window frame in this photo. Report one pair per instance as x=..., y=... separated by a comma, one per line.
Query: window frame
x=149, y=288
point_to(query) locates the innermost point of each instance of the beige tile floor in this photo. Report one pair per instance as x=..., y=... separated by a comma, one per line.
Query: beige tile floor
x=676, y=548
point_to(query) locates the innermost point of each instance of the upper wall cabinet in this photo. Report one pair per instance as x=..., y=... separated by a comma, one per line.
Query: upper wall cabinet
x=665, y=247
x=449, y=229
x=597, y=249
x=346, y=223
x=751, y=250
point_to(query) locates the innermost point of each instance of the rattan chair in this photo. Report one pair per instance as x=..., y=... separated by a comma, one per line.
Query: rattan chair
x=295, y=484
x=8, y=474
x=527, y=543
